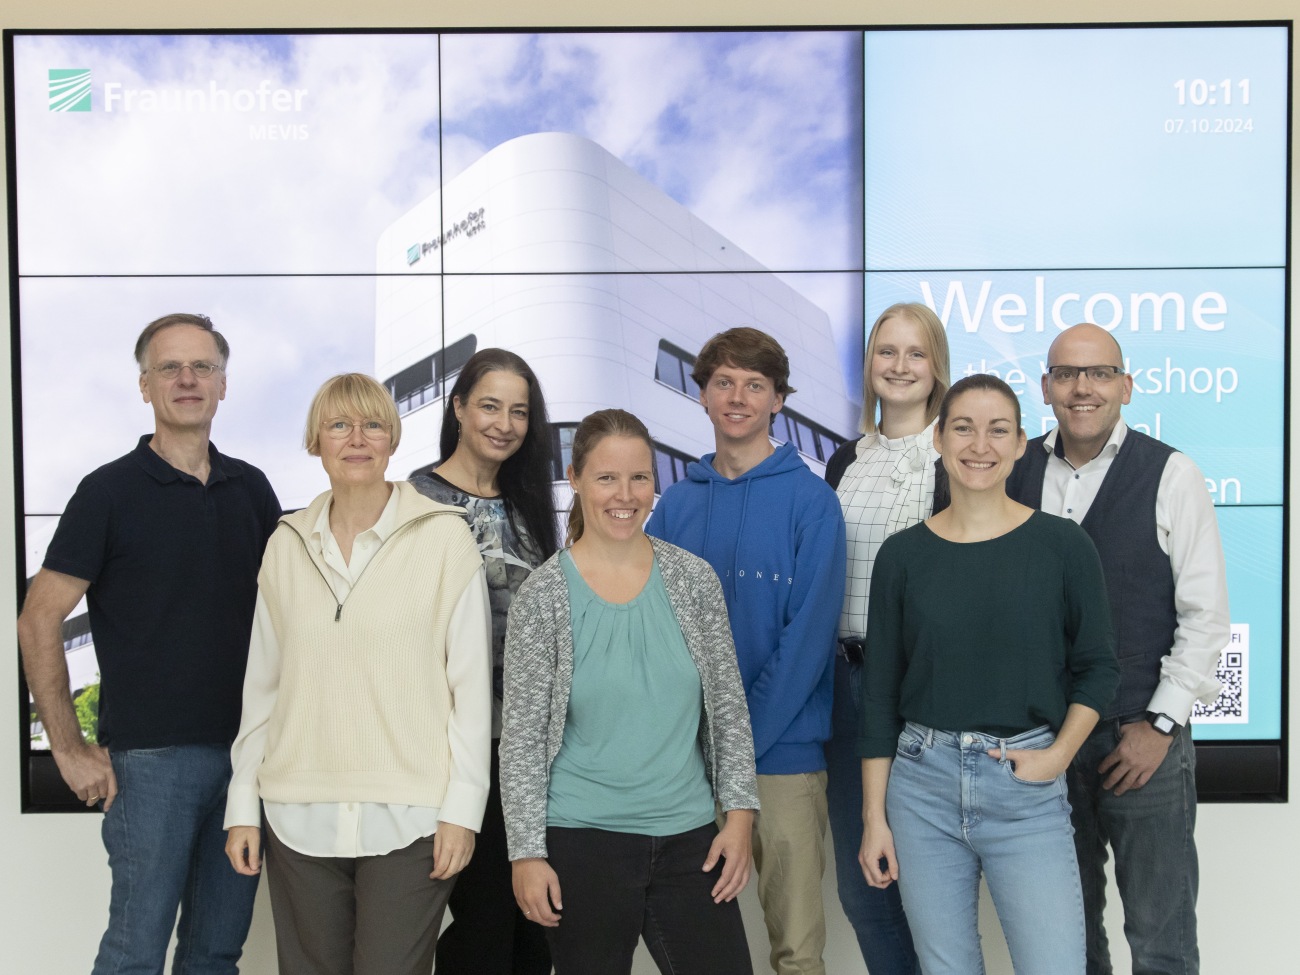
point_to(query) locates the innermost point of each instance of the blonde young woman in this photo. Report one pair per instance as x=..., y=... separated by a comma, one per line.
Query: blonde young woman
x=886, y=482
x=367, y=707
x=625, y=726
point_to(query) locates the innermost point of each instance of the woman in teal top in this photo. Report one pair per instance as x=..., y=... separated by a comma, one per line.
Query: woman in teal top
x=629, y=763
x=991, y=656
x=624, y=723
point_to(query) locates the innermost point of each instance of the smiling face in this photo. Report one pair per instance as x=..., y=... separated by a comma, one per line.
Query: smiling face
x=741, y=404
x=616, y=488
x=493, y=417
x=185, y=403
x=1086, y=411
x=901, y=373
x=354, y=459
x=980, y=440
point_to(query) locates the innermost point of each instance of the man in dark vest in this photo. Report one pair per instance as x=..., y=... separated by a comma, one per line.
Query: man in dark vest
x=1133, y=783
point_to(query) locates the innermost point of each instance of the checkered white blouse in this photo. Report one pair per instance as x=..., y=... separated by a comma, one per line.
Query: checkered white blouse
x=889, y=486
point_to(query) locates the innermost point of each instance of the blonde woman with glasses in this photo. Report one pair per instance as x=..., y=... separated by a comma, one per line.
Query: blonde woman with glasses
x=367, y=706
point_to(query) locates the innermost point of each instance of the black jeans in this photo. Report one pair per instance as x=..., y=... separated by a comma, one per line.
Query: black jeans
x=617, y=887
x=488, y=934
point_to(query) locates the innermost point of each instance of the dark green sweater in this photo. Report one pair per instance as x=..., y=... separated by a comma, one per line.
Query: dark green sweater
x=999, y=636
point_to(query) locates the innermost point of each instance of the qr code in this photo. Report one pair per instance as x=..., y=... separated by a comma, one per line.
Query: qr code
x=1232, y=706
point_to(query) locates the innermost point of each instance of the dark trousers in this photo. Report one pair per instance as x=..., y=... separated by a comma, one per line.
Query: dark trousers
x=488, y=934
x=618, y=887
x=1151, y=832
x=876, y=915
x=374, y=915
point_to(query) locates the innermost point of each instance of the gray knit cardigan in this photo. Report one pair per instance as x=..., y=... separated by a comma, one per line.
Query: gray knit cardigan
x=539, y=676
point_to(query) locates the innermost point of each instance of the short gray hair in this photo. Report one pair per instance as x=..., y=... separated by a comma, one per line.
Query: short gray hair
x=180, y=318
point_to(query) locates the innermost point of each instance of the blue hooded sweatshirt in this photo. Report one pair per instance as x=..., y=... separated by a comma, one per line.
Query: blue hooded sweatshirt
x=775, y=537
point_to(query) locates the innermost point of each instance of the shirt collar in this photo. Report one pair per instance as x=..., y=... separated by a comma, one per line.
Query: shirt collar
x=382, y=528
x=164, y=473
x=1109, y=450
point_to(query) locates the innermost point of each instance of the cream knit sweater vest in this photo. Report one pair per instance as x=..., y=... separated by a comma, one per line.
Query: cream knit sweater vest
x=363, y=703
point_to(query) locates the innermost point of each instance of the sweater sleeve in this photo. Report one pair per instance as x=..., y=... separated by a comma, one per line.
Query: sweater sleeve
x=806, y=646
x=730, y=737
x=261, y=685
x=886, y=661
x=529, y=675
x=1094, y=671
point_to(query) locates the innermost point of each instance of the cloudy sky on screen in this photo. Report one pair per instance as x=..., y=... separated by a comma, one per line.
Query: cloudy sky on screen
x=127, y=215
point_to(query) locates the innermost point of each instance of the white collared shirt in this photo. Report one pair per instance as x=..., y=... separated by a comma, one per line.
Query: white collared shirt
x=1189, y=534
x=354, y=829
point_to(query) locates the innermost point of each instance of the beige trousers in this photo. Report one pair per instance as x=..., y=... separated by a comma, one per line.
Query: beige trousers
x=790, y=857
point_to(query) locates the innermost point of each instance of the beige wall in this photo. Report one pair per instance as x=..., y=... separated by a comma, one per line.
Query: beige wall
x=53, y=901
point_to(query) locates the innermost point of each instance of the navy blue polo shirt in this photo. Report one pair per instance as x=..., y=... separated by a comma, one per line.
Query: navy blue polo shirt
x=172, y=565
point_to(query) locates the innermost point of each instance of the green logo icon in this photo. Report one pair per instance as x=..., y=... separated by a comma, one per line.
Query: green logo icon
x=69, y=89
x=412, y=254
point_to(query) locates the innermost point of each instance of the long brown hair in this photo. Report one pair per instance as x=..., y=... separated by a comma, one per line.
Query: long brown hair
x=594, y=428
x=524, y=477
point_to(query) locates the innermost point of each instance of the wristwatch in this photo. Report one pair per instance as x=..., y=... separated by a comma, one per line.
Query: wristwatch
x=1164, y=724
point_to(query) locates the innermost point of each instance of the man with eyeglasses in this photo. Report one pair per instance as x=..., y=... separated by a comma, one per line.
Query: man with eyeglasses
x=164, y=544
x=1133, y=783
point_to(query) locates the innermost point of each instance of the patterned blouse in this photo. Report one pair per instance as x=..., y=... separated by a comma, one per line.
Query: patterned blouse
x=509, y=554
x=888, y=486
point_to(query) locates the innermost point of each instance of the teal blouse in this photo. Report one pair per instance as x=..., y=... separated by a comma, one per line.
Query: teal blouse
x=630, y=761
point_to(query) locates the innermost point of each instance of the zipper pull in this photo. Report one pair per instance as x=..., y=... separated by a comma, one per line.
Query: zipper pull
x=338, y=612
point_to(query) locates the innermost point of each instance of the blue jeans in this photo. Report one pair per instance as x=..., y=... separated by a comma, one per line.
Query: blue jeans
x=166, y=850
x=876, y=915
x=1150, y=829
x=955, y=811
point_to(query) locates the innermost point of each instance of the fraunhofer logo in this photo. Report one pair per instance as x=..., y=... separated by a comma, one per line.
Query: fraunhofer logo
x=69, y=89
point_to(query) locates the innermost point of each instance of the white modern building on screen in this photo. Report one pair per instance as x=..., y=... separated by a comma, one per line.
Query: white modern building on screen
x=551, y=247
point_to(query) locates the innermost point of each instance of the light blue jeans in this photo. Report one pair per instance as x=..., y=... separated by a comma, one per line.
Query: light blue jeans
x=955, y=811
x=166, y=851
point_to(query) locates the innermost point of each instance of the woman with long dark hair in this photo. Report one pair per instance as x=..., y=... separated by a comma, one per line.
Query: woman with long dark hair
x=990, y=657
x=496, y=464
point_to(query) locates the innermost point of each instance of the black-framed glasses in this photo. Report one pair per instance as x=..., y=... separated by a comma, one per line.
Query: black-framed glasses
x=340, y=428
x=201, y=368
x=1101, y=375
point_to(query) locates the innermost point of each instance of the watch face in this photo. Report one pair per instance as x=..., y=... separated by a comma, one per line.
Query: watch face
x=1163, y=724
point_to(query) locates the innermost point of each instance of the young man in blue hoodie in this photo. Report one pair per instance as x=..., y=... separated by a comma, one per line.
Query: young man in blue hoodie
x=773, y=531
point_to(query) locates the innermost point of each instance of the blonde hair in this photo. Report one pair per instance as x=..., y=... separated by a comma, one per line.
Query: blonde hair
x=351, y=394
x=933, y=335
x=594, y=428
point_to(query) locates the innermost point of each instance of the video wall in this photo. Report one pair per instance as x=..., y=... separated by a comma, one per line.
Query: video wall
x=602, y=202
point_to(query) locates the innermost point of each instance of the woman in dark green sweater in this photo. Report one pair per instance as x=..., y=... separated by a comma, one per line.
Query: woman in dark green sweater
x=991, y=656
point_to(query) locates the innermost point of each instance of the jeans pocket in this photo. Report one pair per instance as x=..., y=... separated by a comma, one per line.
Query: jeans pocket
x=910, y=745
x=1030, y=782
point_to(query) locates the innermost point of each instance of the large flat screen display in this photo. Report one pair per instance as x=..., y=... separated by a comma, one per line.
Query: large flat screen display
x=602, y=202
